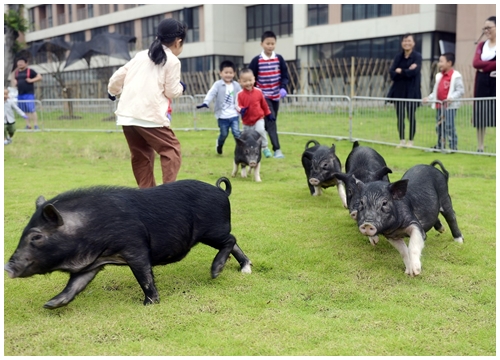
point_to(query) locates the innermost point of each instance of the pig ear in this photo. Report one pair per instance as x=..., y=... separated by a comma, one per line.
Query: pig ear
x=355, y=144
x=332, y=149
x=379, y=174
x=240, y=142
x=359, y=183
x=50, y=213
x=398, y=189
x=39, y=201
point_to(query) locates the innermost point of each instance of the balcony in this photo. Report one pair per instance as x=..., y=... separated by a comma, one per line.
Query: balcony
x=61, y=19
x=81, y=14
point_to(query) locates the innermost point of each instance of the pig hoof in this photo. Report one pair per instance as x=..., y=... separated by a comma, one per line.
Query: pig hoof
x=233, y=174
x=442, y=229
x=459, y=240
x=258, y=180
x=52, y=304
x=373, y=240
x=151, y=301
x=246, y=269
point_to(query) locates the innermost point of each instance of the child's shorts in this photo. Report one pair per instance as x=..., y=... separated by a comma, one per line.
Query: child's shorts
x=26, y=103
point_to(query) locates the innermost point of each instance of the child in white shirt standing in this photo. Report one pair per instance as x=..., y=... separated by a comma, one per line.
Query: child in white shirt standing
x=9, y=121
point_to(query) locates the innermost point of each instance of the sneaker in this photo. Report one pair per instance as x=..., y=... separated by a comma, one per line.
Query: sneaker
x=401, y=144
x=409, y=143
x=278, y=154
x=267, y=153
x=28, y=127
x=218, y=148
x=6, y=142
x=36, y=127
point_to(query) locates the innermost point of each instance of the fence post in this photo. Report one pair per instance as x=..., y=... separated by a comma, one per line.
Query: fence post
x=352, y=97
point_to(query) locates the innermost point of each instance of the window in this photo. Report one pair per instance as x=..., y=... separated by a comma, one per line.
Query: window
x=70, y=13
x=31, y=19
x=317, y=14
x=190, y=17
x=276, y=17
x=78, y=36
x=98, y=30
x=103, y=9
x=149, y=27
x=90, y=11
x=126, y=28
x=352, y=12
x=49, y=16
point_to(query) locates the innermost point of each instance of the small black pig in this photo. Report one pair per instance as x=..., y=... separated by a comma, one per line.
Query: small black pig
x=408, y=208
x=320, y=164
x=83, y=230
x=365, y=164
x=247, y=153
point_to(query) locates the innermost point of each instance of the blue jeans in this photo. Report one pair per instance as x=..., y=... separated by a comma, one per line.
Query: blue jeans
x=225, y=125
x=445, y=128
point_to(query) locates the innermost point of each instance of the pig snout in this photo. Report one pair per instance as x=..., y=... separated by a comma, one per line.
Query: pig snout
x=314, y=181
x=10, y=270
x=252, y=163
x=368, y=229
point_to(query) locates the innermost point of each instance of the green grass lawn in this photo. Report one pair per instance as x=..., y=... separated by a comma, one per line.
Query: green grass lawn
x=317, y=288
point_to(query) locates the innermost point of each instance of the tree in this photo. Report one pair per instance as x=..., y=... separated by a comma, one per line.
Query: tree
x=14, y=24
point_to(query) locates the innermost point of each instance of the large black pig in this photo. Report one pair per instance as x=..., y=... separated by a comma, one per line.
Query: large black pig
x=365, y=164
x=320, y=164
x=408, y=208
x=83, y=230
x=248, y=153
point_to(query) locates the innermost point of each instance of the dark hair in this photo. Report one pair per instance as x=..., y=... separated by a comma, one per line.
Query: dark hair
x=226, y=64
x=408, y=35
x=267, y=34
x=245, y=71
x=449, y=57
x=168, y=31
x=492, y=19
x=25, y=59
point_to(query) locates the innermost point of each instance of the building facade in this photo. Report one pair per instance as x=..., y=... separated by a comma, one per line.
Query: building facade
x=306, y=33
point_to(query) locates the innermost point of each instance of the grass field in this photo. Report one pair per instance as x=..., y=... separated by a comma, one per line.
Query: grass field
x=317, y=288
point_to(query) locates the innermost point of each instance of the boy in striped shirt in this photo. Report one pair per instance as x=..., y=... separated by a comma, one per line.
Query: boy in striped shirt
x=271, y=74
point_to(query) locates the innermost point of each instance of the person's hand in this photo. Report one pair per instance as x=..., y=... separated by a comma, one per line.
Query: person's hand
x=25, y=117
x=413, y=66
x=243, y=111
x=202, y=106
x=398, y=71
x=29, y=80
x=169, y=116
x=424, y=100
x=271, y=117
x=183, y=86
x=111, y=97
x=283, y=93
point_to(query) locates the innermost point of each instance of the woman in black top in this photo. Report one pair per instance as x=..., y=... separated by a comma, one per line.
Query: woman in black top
x=405, y=74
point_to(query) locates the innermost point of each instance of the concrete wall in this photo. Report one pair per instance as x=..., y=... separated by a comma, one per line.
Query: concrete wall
x=470, y=20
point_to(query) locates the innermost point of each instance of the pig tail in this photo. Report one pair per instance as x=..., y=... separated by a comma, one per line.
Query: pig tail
x=169, y=30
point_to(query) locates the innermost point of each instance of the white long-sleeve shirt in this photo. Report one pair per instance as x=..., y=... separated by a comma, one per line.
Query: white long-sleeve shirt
x=8, y=109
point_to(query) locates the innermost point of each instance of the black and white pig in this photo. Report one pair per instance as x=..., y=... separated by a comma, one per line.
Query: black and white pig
x=320, y=164
x=408, y=208
x=248, y=153
x=365, y=164
x=83, y=230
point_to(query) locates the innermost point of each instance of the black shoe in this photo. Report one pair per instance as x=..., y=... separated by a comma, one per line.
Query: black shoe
x=218, y=148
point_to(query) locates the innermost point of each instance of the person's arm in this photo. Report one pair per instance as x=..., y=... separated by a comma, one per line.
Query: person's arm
x=458, y=91
x=172, y=87
x=211, y=93
x=36, y=77
x=477, y=63
x=415, y=68
x=392, y=70
x=13, y=80
x=254, y=66
x=115, y=84
x=432, y=95
x=263, y=104
x=18, y=110
x=285, y=79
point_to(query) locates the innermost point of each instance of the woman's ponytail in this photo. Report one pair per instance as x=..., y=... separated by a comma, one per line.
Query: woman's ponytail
x=169, y=30
x=156, y=53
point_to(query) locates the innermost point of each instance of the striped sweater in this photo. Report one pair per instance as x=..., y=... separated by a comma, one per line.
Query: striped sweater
x=271, y=74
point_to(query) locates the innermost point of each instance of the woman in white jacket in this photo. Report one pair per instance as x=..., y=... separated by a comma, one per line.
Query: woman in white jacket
x=448, y=88
x=147, y=83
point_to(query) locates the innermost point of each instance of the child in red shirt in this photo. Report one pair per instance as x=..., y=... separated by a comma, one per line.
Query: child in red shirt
x=252, y=106
x=448, y=88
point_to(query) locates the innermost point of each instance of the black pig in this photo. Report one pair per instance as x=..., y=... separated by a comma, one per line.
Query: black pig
x=247, y=153
x=408, y=208
x=365, y=164
x=320, y=164
x=83, y=230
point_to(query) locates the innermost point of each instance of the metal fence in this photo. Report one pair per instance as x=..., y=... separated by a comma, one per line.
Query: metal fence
x=368, y=119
